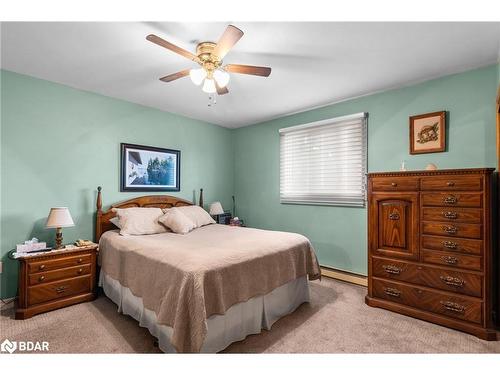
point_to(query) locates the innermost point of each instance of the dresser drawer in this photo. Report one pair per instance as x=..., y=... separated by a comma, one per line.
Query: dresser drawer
x=452, y=199
x=455, y=281
x=432, y=276
x=444, y=258
x=64, y=273
x=451, y=183
x=395, y=292
x=458, y=307
x=59, y=289
x=395, y=184
x=452, y=229
x=460, y=245
x=395, y=270
x=453, y=214
x=53, y=264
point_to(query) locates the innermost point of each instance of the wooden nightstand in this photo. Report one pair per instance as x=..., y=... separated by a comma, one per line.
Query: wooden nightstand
x=59, y=278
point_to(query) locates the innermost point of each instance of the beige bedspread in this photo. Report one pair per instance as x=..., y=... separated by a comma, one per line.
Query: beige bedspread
x=186, y=278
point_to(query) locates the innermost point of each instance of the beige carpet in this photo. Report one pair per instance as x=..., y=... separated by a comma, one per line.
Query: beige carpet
x=336, y=321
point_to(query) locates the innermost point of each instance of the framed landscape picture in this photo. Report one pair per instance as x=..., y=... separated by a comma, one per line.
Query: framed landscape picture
x=428, y=133
x=145, y=168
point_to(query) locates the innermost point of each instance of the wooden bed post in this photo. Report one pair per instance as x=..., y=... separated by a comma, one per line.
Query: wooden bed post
x=99, y=214
x=200, y=203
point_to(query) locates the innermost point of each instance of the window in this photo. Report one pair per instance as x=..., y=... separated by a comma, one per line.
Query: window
x=324, y=162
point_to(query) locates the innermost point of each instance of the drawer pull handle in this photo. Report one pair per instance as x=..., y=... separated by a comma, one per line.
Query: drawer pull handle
x=392, y=292
x=61, y=289
x=450, y=215
x=450, y=245
x=450, y=230
x=394, y=216
x=392, y=269
x=41, y=278
x=452, y=281
x=452, y=306
x=449, y=259
x=450, y=200
x=393, y=184
x=42, y=267
x=80, y=260
x=450, y=183
x=80, y=270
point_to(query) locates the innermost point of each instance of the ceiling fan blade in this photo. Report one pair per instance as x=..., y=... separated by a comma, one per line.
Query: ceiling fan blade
x=248, y=69
x=172, y=47
x=231, y=35
x=221, y=90
x=174, y=76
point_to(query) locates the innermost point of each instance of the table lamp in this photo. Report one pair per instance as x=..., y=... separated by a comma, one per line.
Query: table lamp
x=216, y=209
x=59, y=217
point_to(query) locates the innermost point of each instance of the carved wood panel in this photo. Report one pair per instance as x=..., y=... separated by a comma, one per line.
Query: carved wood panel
x=394, y=224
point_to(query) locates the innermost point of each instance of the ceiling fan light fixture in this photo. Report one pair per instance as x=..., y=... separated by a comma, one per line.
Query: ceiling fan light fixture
x=209, y=86
x=221, y=77
x=212, y=76
x=197, y=75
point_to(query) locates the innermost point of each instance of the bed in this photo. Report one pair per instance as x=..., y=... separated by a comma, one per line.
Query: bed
x=201, y=291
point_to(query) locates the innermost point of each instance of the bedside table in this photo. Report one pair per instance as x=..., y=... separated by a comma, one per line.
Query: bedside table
x=55, y=279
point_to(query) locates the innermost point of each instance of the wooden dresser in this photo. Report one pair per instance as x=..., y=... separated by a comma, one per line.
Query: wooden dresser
x=49, y=281
x=430, y=247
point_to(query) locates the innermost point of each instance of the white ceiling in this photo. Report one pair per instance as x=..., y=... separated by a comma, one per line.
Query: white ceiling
x=313, y=64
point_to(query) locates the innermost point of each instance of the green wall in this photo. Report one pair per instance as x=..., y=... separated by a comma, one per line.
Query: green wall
x=339, y=233
x=58, y=144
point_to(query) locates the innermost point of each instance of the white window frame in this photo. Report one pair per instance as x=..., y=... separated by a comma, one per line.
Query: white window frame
x=334, y=199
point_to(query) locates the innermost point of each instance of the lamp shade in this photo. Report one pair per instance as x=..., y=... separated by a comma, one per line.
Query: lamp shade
x=216, y=209
x=209, y=86
x=59, y=217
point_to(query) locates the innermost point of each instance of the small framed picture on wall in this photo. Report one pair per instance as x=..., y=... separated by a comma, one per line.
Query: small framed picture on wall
x=145, y=168
x=428, y=133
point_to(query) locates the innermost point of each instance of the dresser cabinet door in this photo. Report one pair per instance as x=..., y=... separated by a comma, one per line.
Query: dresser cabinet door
x=394, y=225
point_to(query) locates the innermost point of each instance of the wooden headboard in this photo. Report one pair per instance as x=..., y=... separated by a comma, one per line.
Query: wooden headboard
x=102, y=223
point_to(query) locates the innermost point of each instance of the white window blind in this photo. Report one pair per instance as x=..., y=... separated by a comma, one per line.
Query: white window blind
x=324, y=162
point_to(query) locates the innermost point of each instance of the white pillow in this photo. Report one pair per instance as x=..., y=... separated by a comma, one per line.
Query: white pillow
x=175, y=220
x=116, y=222
x=139, y=220
x=198, y=215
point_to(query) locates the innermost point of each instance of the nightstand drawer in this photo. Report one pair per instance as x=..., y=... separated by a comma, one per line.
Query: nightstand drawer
x=53, y=264
x=64, y=273
x=58, y=289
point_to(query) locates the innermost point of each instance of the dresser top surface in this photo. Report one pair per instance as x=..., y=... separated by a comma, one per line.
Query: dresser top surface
x=437, y=172
x=67, y=251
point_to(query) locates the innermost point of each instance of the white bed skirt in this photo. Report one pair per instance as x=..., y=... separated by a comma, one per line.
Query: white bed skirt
x=238, y=322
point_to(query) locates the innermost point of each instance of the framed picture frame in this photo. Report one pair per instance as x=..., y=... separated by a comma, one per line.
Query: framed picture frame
x=146, y=168
x=428, y=133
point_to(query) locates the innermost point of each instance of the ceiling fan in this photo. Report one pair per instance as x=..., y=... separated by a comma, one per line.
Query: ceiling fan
x=209, y=55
